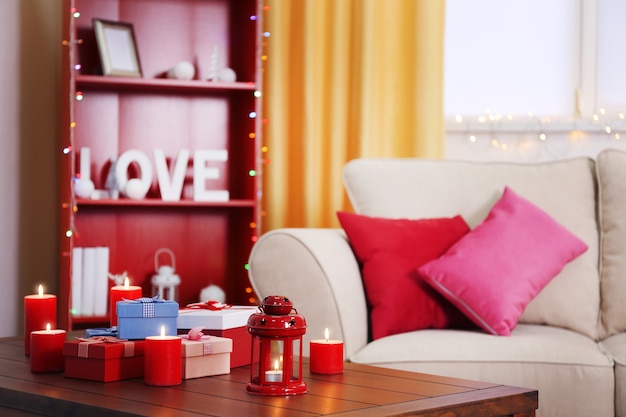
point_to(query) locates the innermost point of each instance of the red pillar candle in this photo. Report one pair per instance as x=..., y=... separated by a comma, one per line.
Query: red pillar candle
x=326, y=356
x=39, y=310
x=119, y=292
x=46, y=350
x=163, y=358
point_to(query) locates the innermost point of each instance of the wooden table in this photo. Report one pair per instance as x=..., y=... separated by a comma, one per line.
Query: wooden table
x=362, y=391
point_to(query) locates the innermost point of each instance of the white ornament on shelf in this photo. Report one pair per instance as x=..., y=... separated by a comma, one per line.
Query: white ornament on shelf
x=214, y=65
x=183, y=70
x=227, y=75
x=135, y=189
x=212, y=293
x=111, y=181
x=83, y=188
x=121, y=173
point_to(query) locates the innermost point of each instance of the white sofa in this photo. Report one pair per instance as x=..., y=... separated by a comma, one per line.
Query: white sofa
x=570, y=342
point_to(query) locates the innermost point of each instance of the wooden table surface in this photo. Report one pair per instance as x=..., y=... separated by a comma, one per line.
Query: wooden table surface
x=362, y=391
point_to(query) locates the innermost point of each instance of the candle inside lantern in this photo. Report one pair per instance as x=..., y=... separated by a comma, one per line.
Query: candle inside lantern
x=39, y=310
x=326, y=355
x=46, y=350
x=275, y=375
x=118, y=293
x=163, y=360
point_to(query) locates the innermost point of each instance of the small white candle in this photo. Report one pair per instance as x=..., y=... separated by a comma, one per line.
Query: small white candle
x=274, y=376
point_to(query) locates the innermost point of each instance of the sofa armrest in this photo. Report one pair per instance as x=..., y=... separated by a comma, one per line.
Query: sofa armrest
x=317, y=270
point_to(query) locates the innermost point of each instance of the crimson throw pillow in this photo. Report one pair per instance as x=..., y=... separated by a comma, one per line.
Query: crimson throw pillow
x=494, y=271
x=390, y=251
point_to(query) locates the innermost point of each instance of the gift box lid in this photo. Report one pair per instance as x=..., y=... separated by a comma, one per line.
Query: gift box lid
x=206, y=345
x=227, y=318
x=103, y=347
x=146, y=307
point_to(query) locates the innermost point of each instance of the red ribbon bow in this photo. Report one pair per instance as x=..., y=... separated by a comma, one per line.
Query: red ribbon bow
x=210, y=305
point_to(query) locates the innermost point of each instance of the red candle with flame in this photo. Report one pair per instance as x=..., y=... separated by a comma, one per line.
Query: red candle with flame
x=39, y=310
x=326, y=356
x=46, y=350
x=118, y=293
x=163, y=358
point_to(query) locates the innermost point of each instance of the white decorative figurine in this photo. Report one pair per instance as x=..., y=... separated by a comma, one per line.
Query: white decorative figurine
x=182, y=71
x=165, y=280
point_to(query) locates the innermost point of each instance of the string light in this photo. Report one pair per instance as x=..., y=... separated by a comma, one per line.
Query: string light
x=531, y=126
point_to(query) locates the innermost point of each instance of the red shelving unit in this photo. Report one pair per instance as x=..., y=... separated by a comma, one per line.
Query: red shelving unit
x=111, y=115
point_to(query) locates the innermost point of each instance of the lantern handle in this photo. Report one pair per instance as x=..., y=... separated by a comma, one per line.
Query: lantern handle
x=159, y=252
x=293, y=310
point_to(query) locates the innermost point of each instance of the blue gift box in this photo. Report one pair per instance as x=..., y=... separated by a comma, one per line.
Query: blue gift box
x=101, y=331
x=143, y=317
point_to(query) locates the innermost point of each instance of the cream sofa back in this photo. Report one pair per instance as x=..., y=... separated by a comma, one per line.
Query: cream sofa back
x=612, y=197
x=419, y=188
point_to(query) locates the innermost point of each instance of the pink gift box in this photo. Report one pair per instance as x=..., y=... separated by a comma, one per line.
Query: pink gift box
x=206, y=357
x=230, y=323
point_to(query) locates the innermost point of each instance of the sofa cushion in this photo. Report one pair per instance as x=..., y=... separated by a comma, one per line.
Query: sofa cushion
x=390, y=250
x=566, y=190
x=563, y=365
x=493, y=272
x=611, y=166
x=615, y=346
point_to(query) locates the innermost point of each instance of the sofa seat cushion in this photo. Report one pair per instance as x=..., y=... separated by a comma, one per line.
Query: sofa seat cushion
x=565, y=190
x=615, y=347
x=560, y=363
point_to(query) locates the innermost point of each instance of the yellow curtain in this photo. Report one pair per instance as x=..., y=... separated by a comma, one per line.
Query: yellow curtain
x=345, y=79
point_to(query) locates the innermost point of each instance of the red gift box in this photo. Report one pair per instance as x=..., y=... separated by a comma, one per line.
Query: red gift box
x=228, y=322
x=104, y=359
x=206, y=356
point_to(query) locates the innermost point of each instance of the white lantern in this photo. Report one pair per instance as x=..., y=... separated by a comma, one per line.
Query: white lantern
x=165, y=281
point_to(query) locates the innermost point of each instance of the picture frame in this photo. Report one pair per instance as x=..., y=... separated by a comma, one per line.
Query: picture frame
x=117, y=48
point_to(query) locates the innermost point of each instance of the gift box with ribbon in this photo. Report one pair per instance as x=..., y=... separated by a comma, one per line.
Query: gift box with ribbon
x=101, y=331
x=221, y=320
x=103, y=358
x=205, y=355
x=143, y=317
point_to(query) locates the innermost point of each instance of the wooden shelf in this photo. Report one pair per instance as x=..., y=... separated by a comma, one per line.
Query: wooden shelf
x=113, y=115
x=161, y=84
x=155, y=202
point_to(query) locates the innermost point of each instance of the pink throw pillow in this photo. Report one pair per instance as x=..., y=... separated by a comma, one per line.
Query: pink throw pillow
x=390, y=251
x=494, y=271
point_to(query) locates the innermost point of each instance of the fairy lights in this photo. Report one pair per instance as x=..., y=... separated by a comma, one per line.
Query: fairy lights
x=494, y=126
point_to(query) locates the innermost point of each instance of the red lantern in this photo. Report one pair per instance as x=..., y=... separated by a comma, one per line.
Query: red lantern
x=277, y=332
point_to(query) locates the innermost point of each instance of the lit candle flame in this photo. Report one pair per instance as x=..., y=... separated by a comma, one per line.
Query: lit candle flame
x=276, y=365
x=40, y=290
x=162, y=331
x=326, y=334
x=48, y=327
x=126, y=283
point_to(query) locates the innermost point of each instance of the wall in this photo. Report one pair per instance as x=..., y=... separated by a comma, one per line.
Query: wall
x=30, y=52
